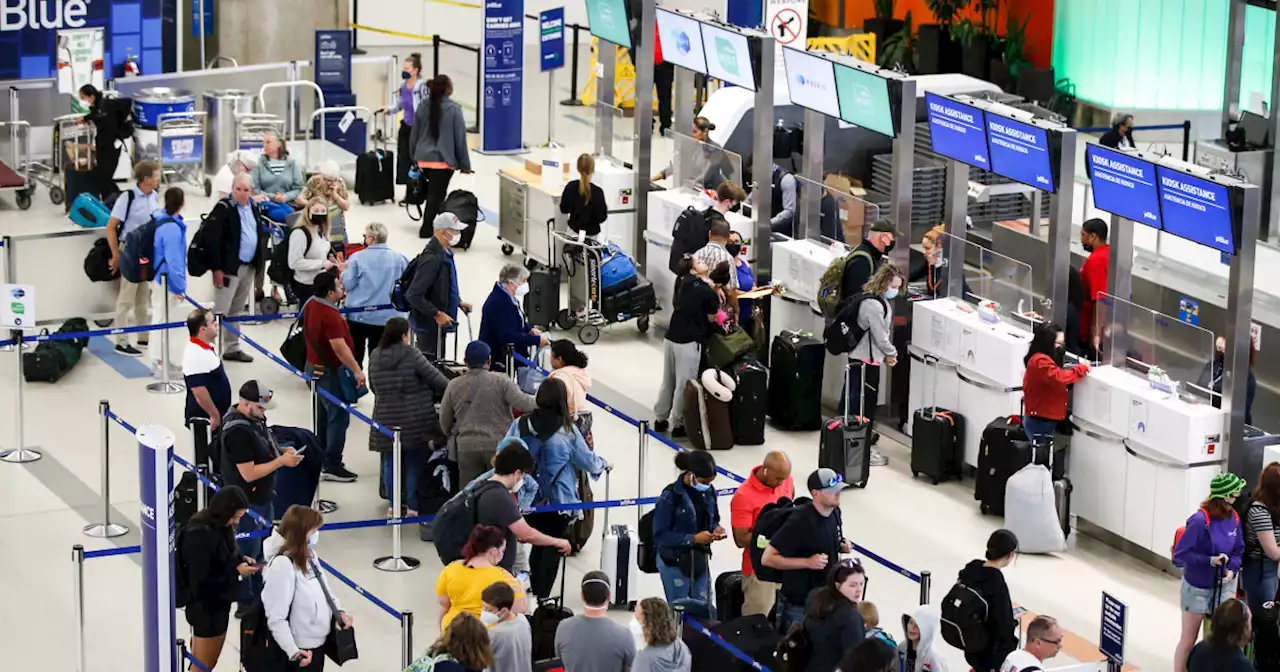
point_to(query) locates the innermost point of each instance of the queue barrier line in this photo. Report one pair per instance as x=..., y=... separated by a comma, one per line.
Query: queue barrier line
x=720, y=642
x=269, y=317
x=107, y=552
x=199, y=665
x=356, y=587
x=115, y=331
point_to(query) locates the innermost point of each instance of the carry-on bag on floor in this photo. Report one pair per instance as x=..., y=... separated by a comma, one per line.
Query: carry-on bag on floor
x=846, y=440
x=89, y=212
x=542, y=303
x=750, y=402
x=619, y=558
x=729, y=596
x=376, y=176
x=795, y=381
x=753, y=635
x=935, y=435
x=546, y=620
x=1003, y=451
x=706, y=419
x=1062, y=502
x=1031, y=510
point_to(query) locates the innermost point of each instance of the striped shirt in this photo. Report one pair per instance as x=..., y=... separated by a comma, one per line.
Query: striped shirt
x=712, y=254
x=1259, y=519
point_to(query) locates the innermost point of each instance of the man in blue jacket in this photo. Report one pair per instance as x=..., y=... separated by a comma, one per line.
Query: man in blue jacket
x=502, y=322
x=169, y=258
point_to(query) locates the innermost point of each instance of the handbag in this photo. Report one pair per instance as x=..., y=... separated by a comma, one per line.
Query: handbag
x=340, y=643
x=725, y=349
x=294, y=347
x=529, y=378
x=348, y=389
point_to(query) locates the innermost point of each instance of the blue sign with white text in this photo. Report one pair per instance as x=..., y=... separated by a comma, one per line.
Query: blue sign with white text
x=195, y=17
x=1196, y=209
x=551, y=23
x=501, y=118
x=1124, y=185
x=1111, y=639
x=1189, y=311
x=333, y=60
x=958, y=131
x=1020, y=152
x=145, y=29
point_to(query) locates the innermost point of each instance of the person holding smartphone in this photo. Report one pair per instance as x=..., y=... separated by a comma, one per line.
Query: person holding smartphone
x=212, y=570
x=686, y=520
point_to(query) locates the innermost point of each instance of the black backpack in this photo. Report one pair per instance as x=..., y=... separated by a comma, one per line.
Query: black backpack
x=198, y=256
x=844, y=332
x=771, y=519
x=690, y=233
x=138, y=250
x=964, y=619
x=122, y=110
x=400, y=290
x=455, y=520
x=181, y=587
x=278, y=271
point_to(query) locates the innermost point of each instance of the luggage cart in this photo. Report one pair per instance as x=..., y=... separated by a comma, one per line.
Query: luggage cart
x=582, y=262
x=73, y=151
x=182, y=148
x=19, y=160
x=252, y=126
x=349, y=112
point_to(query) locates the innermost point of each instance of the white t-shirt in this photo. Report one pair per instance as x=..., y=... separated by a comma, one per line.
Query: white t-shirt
x=1021, y=661
x=197, y=360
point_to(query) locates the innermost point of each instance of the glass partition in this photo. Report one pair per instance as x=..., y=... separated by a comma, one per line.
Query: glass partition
x=988, y=277
x=1142, y=338
x=701, y=165
x=620, y=144
x=829, y=213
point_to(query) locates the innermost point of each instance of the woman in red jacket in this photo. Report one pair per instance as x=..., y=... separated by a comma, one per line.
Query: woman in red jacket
x=1044, y=383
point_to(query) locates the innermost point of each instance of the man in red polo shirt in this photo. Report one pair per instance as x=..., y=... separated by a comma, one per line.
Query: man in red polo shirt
x=1093, y=275
x=330, y=347
x=767, y=483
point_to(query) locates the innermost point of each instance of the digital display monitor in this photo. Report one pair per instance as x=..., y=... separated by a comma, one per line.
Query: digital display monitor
x=864, y=99
x=607, y=20
x=1197, y=209
x=1020, y=152
x=728, y=56
x=958, y=131
x=811, y=81
x=681, y=39
x=1124, y=184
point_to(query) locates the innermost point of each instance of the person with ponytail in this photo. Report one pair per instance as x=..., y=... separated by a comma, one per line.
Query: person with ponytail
x=412, y=91
x=569, y=365
x=461, y=584
x=584, y=201
x=686, y=520
x=439, y=142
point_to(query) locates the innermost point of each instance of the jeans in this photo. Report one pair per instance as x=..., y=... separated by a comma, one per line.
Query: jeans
x=788, y=613
x=412, y=462
x=677, y=586
x=1260, y=581
x=251, y=587
x=1039, y=428
x=679, y=365
x=333, y=420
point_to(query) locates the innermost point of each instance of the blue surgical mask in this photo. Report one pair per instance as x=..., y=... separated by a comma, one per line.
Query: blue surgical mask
x=891, y=294
x=404, y=74
x=701, y=487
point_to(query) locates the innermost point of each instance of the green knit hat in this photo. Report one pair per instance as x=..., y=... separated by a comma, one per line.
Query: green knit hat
x=1225, y=485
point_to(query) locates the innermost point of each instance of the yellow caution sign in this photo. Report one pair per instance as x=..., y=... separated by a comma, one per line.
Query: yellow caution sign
x=861, y=46
x=624, y=83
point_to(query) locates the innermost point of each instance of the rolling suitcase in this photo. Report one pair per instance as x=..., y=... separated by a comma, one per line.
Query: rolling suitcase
x=845, y=445
x=706, y=419
x=935, y=437
x=375, y=176
x=542, y=303
x=89, y=212
x=546, y=620
x=1003, y=441
x=795, y=383
x=750, y=402
x=729, y=596
x=619, y=557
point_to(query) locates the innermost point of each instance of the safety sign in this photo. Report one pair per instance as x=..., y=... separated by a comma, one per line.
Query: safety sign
x=19, y=308
x=788, y=21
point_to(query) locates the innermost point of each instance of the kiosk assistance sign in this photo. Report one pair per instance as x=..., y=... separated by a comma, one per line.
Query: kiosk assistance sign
x=503, y=96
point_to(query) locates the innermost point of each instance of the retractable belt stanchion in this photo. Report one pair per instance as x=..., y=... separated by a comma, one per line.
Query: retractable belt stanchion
x=406, y=638
x=20, y=453
x=200, y=439
x=396, y=562
x=218, y=339
x=77, y=602
x=164, y=385
x=324, y=506
x=926, y=584
x=643, y=447
x=106, y=529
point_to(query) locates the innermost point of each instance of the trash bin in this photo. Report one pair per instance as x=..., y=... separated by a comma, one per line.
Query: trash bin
x=148, y=105
x=221, y=107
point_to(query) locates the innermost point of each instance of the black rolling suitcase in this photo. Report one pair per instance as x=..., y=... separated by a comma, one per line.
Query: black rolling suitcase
x=1004, y=450
x=750, y=402
x=376, y=176
x=1266, y=636
x=729, y=596
x=795, y=383
x=935, y=436
x=546, y=620
x=846, y=440
x=542, y=303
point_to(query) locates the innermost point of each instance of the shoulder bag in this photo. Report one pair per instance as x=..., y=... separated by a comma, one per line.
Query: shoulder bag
x=340, y=643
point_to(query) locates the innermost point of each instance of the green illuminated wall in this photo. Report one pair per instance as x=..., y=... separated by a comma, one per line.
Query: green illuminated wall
x=1157, y=54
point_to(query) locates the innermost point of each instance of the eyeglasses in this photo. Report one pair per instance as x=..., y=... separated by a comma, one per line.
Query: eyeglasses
x=1057, y=643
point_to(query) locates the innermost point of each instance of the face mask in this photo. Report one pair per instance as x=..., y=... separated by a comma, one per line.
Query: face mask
x=319, y=220
x=889, y=248
x=734, y=249
x=521, y=290
x=457, y=238
x=313, y=539
x=637, y=630
x=489, y=619
x=404, y=74
x=891, y=294
x=701, y=487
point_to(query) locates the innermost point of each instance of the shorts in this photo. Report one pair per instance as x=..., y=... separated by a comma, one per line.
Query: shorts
x=208, y=619
x=1200, y=600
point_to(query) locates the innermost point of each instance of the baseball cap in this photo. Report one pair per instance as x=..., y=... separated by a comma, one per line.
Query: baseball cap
x=448, y=220
x=477, y=353
x=884, y=226
x=826, y=480
x=255, y=392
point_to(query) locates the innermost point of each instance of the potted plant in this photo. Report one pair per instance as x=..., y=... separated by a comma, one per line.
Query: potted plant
x=1010, y=58
x=935, y=50
x=978, y=41
x=882, y=25
x=899, y=49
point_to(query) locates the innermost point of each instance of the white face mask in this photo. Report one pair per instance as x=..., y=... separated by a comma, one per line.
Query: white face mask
x=457, y=238
x=521, y=290
x=635, y=627
x=313, y=539
x=489, y=619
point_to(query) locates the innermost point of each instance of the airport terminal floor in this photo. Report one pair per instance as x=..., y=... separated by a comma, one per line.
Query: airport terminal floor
x=45, y=504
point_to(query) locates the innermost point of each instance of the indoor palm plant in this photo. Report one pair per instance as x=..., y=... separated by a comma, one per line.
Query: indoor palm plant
x=899, y=49
x=936, y=51
x=882, y=25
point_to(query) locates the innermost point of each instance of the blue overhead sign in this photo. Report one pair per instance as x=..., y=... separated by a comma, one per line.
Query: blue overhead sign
x=1196, y=209
x=501, y=119
x=551, y=23
x=1020, y=152
x=1124, y=185
x=958, y=131
x=333, y=60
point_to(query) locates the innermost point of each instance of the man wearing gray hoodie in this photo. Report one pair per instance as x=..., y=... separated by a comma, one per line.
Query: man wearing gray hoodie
x=916, y=650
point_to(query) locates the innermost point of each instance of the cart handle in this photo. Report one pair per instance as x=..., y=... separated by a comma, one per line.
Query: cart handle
x=262, y=101
x=189, y=115
x=76, y=116
x=330, y=110
x=573, y=240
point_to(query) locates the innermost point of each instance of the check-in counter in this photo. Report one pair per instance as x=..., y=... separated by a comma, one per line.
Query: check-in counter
x=1141, y=458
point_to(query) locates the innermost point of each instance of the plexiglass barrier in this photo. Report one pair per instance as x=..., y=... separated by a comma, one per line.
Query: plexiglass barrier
x=1147, y=338
x=620, y=144
x=825, y=213
x=701, y=165
x=989, y=277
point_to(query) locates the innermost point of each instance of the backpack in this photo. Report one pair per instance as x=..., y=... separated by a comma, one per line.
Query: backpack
x=198, y=256
x=690, y=233
x=771, y=519
x=137, y=253
x=259, y=651
x=795, y=649
x=844, y=333
x=400, y=290
x=964, y=619
x=122, y=109
x=278, y=271
x=646, y=551
x=428, y=662
x=455, y=520
x=1177, y=536
x=535, y=446
x=181, y=587
x=832, y=282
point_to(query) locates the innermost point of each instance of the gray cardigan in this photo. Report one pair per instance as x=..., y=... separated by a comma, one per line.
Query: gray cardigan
x=402, y=381
x=289, y=182
x=477, y=406
x=451, y=146
x=875, y=346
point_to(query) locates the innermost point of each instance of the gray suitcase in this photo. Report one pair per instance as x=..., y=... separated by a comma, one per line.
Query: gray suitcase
x=845, y=441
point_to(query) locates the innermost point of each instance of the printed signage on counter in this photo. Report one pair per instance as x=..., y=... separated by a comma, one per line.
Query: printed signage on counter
x=1124, y=185
x=1111, y=639
x=1196, y=209
x=501, y=120
x=958, y=131
x=19, y=309
x=1189, y=311
x=1020, y=152
x=811, y=81
x=728, y=56
x=681, y=41
x=552, y=24
x=333, y=60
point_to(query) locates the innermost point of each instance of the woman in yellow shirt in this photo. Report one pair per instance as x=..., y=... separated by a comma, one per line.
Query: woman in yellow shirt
x=461, y=583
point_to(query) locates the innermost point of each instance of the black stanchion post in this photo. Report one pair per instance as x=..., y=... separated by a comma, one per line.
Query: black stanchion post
x=355, y=32
x=406, y=638
x=218, y=339
x=435, y=55
x=1186, y=139
x=200, y=449
x=573, y=100
x=926, y=584
x=77, y=602
x=106, y=529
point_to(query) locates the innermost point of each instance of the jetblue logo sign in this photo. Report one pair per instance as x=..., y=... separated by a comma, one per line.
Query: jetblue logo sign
x=46, y=14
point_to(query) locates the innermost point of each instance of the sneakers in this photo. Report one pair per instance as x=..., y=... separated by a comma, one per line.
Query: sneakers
x=238, y=356
x=678, y=433
x=878, y=459
x=661, y=425
x=128, y=350
x=338, y=475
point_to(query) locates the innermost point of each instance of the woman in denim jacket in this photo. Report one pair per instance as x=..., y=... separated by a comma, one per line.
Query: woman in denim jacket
x=686, y=520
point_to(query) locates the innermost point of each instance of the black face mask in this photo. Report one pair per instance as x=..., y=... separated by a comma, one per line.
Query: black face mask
x=1219, y=357
x=889, y=248
x=734, y=249
x=319, y=220
x=1059, y=354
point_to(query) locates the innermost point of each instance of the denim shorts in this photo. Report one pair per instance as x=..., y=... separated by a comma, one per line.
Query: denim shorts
x=1200, y=600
